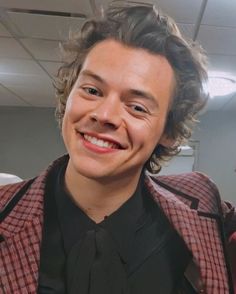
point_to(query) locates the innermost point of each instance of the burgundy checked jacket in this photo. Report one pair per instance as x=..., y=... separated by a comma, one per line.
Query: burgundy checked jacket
x=190, y=201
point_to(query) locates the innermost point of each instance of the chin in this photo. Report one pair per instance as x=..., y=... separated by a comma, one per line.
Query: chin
x=89, y=172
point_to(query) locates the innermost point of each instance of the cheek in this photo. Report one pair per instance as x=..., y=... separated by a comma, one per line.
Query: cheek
x=64, y=128
x=72, y=111
x=146, y=136
x=68, y=119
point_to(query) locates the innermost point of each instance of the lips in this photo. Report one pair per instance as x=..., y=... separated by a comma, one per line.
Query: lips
x=101, y=141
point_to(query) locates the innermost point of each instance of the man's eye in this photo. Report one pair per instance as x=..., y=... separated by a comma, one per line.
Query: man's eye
x=91, y=91
x=138, y=108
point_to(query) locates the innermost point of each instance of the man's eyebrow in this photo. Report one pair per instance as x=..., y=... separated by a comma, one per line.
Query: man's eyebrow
x=91, y=74
x=135, y=92
x=144, y=94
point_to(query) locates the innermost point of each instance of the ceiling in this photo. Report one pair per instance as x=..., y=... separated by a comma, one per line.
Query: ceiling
x=30, y=32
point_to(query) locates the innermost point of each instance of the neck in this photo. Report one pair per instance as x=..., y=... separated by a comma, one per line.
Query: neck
x=99, y=198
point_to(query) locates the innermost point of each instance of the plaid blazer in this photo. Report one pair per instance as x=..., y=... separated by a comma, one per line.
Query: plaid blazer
x=190, y=201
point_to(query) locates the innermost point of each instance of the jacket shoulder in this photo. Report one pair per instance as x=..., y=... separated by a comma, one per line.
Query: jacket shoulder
x=195, y=185
x=7, y=191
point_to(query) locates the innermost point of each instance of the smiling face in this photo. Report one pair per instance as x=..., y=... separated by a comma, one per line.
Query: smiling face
x=116, y=112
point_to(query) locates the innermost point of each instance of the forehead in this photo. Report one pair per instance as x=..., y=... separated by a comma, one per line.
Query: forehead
x=128, y=67
x=113, y=53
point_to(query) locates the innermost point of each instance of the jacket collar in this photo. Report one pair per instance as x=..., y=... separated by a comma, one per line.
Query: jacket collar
x=198, y=228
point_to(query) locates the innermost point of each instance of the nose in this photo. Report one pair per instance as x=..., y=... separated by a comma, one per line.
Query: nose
x=108, y=112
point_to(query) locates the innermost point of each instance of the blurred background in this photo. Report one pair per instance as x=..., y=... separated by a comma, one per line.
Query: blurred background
x=30, y=32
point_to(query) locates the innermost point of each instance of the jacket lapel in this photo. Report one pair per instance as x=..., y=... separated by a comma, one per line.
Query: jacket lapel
x=200, y=232
x=21, y=233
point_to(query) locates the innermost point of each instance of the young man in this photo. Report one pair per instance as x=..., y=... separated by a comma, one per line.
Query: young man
x=99, y=220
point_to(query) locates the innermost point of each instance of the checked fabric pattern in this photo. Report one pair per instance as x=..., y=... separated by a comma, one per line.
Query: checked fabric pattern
x=21, y=230
x=197, y=226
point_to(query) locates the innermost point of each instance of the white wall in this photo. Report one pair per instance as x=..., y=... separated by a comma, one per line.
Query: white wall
x=29, y=140
x=217, y=150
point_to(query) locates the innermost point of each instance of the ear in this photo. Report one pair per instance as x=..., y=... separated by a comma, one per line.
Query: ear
x=167, y=141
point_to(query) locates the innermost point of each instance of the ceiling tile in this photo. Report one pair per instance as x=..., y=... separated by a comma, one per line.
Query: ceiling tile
x=9, y=80
x=51, y=67
x=19, y=67
x=43, y=49
x=220, y=13
x=38, y=92
x=218, y=40
x=224, y=63
x=12, y=49
x=27, y=79
x=3, y=31
x=231, y=104
x=41, y=98
x=9, y=99
x=34, y=81
x=73, y=6
x=181, y=10
x=187, y=30
x=217, y=103
x=44, y=26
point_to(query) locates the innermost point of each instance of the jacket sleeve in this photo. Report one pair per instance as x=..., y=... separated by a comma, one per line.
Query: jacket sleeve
x=230, y=228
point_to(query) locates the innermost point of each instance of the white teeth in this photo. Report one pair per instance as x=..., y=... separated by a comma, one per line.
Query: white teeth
x=99, y=142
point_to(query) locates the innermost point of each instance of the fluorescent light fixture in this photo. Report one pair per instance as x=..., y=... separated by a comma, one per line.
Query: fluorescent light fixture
x=220, y=84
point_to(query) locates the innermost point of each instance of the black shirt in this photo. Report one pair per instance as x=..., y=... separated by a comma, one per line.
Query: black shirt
x=134, y=250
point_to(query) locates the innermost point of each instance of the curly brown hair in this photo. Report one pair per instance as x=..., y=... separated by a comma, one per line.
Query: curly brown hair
x=143, y=26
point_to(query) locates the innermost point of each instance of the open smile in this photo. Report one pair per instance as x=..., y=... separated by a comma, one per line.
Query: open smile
x=101, y=142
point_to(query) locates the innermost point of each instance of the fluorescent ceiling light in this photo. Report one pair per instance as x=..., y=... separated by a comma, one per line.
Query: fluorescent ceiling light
x=220, y=84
